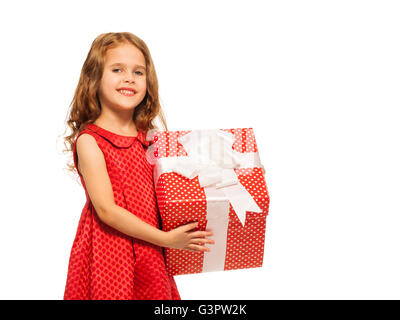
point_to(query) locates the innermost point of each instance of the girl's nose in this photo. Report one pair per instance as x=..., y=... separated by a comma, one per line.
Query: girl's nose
x=130, y=78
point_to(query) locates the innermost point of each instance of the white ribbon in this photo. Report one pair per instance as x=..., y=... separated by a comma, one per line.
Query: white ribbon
x=212, y=159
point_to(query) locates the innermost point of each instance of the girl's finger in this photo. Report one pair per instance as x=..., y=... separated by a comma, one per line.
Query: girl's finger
x=200, y=234
x=190, y=226
x=202, y=240
x=198, y=247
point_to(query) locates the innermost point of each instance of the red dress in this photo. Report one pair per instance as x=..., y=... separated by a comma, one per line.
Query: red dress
x=106, y=264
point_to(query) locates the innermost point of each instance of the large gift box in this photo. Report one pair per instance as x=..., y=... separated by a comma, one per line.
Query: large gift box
x=214, y=177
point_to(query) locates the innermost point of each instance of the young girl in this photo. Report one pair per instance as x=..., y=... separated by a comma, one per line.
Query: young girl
x=118, y=248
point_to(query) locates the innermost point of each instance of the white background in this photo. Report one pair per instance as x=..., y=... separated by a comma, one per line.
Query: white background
x=317, y=80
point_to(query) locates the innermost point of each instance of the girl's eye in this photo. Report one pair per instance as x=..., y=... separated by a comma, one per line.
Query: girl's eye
x=140, y=73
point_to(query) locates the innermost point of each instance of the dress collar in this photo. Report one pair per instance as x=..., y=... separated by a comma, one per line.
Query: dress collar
x=118, y=140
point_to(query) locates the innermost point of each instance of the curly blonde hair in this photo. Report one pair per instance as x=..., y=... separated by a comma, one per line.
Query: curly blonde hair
x=85, y=106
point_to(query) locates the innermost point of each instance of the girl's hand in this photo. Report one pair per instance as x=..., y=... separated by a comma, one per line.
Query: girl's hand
x=182, y=238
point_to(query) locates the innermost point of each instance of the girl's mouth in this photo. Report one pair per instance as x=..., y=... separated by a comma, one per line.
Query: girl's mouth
x=127, y=93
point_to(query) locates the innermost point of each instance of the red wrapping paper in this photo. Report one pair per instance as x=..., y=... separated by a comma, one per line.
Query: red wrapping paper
x=182, y=200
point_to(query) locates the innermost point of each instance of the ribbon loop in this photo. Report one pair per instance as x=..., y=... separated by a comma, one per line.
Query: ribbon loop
x=212, y=159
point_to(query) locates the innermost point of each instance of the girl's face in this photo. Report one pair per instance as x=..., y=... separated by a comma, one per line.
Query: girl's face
x=123, y=84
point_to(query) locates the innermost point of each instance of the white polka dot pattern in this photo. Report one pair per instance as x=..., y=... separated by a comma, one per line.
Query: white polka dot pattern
x=106, y=264
x=182, y=200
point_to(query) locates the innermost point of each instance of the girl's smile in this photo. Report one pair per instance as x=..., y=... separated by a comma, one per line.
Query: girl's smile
x=127, y=92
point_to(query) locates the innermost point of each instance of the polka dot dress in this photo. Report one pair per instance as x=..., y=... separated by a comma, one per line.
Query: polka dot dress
x=106, y=264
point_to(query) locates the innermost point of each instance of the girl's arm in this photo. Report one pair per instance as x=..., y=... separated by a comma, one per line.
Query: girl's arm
x=93, y=168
